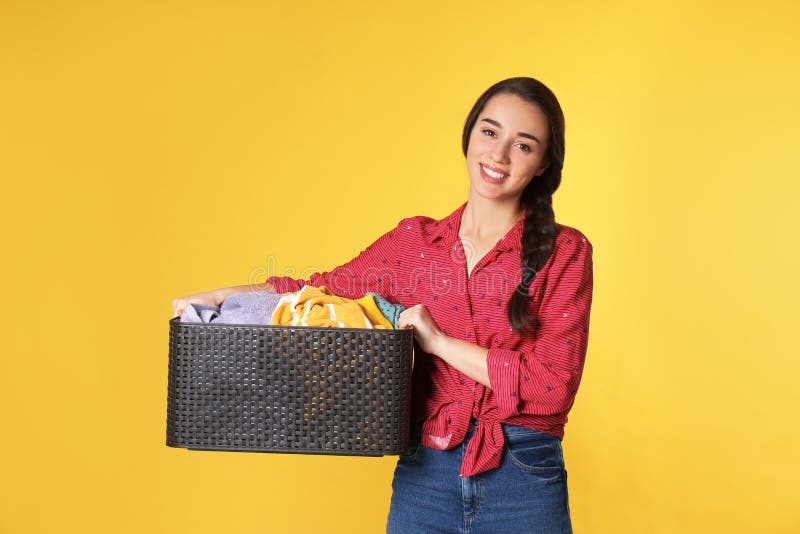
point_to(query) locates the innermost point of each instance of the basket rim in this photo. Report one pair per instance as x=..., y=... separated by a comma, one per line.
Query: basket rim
x=176, y=321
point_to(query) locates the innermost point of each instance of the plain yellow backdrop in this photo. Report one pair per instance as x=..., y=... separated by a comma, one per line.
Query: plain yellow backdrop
x=150, y=150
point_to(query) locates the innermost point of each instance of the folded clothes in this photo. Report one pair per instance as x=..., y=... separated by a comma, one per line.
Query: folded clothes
x=318, y=306
x=254, y=307
x=199, y=313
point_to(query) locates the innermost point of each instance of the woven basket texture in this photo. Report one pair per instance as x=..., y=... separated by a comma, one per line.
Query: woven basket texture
x=262, y=388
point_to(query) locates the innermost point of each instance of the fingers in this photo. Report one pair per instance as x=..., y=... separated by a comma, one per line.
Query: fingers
x=177, y=307
x=405, y=321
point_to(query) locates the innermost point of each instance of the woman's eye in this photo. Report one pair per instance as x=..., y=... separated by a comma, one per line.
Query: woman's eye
x=488, y=132
x=524, y=147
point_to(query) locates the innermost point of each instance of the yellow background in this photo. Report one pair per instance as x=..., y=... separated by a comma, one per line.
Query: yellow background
x=150, y=150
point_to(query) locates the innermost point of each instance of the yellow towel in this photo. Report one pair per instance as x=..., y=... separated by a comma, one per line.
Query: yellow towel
x=318, y=306
x=371, y=310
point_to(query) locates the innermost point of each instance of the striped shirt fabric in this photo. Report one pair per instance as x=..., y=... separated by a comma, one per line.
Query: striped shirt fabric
x=534, y=377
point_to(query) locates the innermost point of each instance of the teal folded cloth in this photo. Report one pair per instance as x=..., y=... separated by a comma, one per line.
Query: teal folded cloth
x=390, y=311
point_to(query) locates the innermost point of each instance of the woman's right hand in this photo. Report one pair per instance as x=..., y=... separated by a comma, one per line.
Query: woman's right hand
x=211, y=298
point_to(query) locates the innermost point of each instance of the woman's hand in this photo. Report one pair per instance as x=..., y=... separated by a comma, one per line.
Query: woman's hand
x=426, y=333
x=211, y=298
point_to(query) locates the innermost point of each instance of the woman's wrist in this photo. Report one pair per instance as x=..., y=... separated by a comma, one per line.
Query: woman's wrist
x=221, y=294
x=440, y=343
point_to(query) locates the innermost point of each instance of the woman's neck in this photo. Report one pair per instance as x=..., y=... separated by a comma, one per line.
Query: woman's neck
x=489, y=218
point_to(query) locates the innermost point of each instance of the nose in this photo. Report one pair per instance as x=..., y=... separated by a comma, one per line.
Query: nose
x=499, y=152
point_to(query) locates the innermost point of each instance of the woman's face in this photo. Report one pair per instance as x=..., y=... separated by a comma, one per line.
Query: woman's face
x=507, y=147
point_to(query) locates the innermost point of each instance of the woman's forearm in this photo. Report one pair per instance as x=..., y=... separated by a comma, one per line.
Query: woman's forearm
x=225, y=292
x=467, y=357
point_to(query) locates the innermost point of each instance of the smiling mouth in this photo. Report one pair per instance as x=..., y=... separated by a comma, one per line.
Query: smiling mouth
x=491, y=176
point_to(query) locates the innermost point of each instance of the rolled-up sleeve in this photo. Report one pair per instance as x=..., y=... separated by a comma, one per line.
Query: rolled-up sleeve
x=371, y=270
x=543, y=380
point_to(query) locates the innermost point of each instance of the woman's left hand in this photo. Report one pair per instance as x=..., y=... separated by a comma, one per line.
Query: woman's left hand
x=426, y=333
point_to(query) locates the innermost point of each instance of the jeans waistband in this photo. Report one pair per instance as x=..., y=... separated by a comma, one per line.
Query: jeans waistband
x=507, y=428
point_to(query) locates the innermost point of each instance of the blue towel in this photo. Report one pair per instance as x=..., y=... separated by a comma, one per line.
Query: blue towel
x=252, y=307
x=389, y=310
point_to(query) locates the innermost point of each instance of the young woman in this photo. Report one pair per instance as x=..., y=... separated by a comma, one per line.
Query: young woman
x=499, y=296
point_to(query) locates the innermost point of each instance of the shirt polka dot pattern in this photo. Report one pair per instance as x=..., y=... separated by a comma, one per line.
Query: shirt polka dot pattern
x=534, y=378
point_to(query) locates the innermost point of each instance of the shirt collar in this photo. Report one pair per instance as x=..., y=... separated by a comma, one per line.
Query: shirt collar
x=446, y=230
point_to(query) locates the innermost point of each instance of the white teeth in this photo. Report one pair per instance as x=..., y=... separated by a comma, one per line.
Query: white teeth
x=496, y=175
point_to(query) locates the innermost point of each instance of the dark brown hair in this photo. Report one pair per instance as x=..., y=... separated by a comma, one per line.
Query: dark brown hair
x=539, y=230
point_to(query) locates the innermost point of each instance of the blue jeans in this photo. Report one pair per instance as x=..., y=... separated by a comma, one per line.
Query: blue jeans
x=526, y=494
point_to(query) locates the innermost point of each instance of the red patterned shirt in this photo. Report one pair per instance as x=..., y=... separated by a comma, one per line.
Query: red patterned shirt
x=534, y=378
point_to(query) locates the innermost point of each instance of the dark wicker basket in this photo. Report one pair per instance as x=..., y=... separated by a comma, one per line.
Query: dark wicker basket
x=263, y=388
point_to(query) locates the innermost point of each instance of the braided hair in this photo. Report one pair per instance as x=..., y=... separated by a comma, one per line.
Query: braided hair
x=540, y=230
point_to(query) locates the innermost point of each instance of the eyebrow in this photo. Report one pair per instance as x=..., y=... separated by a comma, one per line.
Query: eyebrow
x=521, y=134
